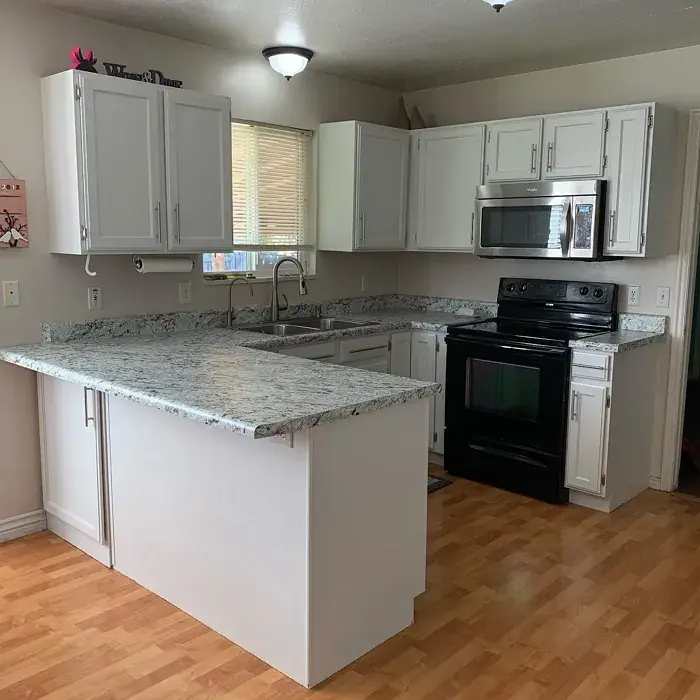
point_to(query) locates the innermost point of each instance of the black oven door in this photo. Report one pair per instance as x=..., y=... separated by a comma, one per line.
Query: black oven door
x=506, y=415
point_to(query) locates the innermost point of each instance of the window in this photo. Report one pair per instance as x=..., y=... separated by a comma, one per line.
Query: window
x=271, y=183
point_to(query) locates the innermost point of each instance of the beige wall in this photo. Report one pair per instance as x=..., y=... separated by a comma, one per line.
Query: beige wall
x=38, y=42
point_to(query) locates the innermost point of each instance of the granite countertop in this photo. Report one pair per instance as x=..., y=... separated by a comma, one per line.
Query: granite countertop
x=211, y=377
x=618, y=341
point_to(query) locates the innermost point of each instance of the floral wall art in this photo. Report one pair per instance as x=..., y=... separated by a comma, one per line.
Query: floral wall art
x=13, y=214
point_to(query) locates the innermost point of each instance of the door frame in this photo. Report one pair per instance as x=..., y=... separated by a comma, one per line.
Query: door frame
x=679, y=338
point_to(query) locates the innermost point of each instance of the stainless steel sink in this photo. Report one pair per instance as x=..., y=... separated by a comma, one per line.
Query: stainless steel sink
x=332, y=324
x=280, y=329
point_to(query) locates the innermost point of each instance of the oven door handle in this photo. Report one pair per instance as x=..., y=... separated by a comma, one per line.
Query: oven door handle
x=562, y=352
x=538, y=350
x=565, y=231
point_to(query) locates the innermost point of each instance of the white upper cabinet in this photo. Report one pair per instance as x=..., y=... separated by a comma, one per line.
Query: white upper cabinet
x=198, y=157
x=382, y=171
x=513, y=150
x=573, y=145
x=626, y=175
x=107, y=166
x=450, y=167
x=362, y=187
x=586, y=438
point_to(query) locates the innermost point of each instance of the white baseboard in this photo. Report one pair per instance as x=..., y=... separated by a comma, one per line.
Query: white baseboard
x=21, y=525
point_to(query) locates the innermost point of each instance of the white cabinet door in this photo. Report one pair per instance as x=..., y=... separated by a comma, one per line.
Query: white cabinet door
x=451, y=166
x=423, y=352
x=73, y=464
x=198, y=167
x=513, y=150
x=382, y=182
x=574, y=144
x=627, y=179
x=586, y=438
x=440, y=377
x=401, y=354
x=123, y=165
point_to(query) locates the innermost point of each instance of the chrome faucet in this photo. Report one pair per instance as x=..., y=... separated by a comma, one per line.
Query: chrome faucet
x=275, y=308
x=230, y=317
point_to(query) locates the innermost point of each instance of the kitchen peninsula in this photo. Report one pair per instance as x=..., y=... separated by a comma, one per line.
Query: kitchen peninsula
x=280, y=501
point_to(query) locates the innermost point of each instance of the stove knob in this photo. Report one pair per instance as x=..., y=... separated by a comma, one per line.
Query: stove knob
x=598, y=292
x=523, y=287
x=511, y=287
x=583, y=291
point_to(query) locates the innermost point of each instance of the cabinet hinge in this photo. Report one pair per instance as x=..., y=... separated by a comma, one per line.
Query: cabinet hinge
x=644, y=238
x=418, y=144
x=602, y=480
x=390, y=346
x=607, y=402
x=605, y=162
x=437, y=345
x=78, y=92
x=83, y=233
x=435, y=438
x=489, y=137
x=651, y=121
x=488, y=169
x=607, y=125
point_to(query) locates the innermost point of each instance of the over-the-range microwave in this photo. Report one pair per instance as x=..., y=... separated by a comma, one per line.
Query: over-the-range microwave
x=560, y=220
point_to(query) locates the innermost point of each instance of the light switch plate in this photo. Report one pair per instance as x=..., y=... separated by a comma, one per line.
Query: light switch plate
x=632, y=296
x=663, y=297
x=10, y=293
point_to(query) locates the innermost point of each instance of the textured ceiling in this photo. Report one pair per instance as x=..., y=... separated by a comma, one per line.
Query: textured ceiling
x=413, y=44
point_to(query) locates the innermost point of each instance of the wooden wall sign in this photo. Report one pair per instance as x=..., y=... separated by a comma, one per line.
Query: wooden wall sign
x=13, y=214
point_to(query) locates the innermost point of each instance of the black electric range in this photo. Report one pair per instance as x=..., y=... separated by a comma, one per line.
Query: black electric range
x=507, y=383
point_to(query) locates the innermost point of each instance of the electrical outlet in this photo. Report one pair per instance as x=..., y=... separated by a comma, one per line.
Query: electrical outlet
x=10, y=293
x=95, y=298
x=663, y=297
x=185, y=292
x=632, y=296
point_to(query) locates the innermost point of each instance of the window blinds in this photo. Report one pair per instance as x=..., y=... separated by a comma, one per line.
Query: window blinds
x=270, y=187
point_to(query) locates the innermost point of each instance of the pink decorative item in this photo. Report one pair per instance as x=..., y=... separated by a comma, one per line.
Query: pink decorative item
x=13, y=214
x=85, y=63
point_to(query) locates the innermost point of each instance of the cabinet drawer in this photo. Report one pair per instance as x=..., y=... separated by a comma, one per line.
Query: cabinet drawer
x=317, y=351
x=590, y=365
x=356, y=349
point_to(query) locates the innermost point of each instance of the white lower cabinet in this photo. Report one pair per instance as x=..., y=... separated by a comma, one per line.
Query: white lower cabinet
x=610, y=448
x=400, y=352
x=74, y=465
x=586, y=440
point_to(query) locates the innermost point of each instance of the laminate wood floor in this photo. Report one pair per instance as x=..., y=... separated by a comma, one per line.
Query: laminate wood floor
x=525, y=601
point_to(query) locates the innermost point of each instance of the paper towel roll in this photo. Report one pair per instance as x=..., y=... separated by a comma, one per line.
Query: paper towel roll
x=154, y=263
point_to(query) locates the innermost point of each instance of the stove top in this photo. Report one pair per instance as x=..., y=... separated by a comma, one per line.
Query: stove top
x=506, y=329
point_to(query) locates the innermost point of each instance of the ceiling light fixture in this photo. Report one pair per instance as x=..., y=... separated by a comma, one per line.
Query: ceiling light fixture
x=288, y=60
x=497, y=5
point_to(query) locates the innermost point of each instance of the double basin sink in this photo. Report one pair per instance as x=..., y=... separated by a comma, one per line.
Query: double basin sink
x=299, y=326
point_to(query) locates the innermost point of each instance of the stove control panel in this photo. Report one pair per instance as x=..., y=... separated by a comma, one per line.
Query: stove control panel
x=553, y=291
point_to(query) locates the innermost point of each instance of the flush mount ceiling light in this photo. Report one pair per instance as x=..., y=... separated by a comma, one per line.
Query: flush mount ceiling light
x=288, y=60
x=498, y=5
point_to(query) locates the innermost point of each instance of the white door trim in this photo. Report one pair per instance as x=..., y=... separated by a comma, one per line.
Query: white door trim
x=681, y=323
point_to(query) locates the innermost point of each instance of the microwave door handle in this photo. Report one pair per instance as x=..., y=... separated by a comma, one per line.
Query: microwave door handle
x=565, y=231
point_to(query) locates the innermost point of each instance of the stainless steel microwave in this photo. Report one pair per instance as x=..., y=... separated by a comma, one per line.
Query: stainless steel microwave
x=561, y=219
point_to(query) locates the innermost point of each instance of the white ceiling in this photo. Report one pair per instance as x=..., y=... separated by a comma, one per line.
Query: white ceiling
x=412, y=44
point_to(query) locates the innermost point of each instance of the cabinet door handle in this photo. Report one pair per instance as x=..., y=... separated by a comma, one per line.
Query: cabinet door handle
x=550, y=156
x=534, y=158
x=177, y=222
x=611, y=231
x=160, y=229
x=472, y=240
x=88, y=418
x=376, y=347
x=574, y=414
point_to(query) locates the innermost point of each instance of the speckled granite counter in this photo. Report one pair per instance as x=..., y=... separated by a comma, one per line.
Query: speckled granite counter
x=208, y=376
x=619, y=341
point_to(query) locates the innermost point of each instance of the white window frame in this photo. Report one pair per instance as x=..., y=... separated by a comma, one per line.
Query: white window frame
x=308, y=251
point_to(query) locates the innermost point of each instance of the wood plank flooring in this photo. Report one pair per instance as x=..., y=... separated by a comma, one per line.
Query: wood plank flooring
x=525, y=601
